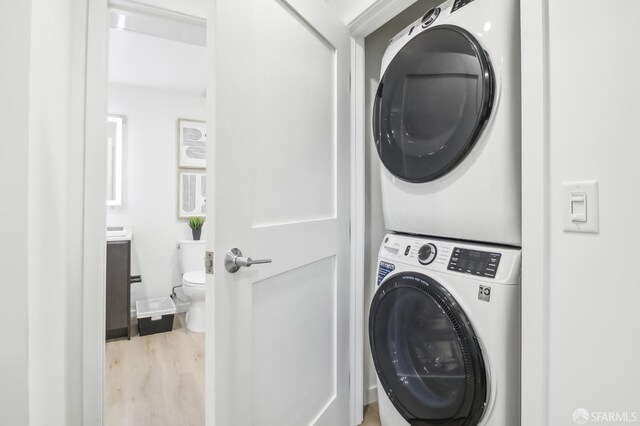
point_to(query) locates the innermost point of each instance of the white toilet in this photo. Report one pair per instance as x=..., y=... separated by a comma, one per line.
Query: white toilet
x=191, y=255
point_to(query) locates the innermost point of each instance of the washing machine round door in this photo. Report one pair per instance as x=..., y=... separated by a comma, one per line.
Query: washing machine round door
x=432, y=104
x=426, y=353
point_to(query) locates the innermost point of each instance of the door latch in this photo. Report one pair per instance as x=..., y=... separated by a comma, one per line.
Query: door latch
x=208, y=263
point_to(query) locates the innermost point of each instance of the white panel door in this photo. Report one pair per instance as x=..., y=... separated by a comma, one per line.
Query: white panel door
x=279, y=165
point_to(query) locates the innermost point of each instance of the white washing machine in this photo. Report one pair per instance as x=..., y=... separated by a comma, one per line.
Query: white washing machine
x=446, y=124
x=444, y=329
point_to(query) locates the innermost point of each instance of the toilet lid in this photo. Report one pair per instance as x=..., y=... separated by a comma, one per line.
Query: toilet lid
x=193, y=278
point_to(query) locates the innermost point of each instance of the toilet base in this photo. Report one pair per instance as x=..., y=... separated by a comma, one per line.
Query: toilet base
x=196, y=320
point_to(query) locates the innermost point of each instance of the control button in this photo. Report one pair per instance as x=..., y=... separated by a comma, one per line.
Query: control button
x=406, y=251
x=427, y=254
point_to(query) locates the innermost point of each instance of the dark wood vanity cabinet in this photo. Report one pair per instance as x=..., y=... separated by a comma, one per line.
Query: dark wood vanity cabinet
x=118, y=312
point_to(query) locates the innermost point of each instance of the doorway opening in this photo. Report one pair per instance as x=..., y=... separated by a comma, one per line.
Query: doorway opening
x=156, y=204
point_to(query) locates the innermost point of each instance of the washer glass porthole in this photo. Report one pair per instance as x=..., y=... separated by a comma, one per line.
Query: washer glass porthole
x=427, y=356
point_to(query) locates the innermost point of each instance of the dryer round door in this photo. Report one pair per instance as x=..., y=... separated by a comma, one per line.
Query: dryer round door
x=426, y=353
x=432, y=103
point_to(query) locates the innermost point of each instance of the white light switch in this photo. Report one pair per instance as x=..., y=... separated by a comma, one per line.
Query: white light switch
x=581, y=214
x=578, y=206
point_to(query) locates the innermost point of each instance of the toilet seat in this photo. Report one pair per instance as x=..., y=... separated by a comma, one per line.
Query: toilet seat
x=194, y=279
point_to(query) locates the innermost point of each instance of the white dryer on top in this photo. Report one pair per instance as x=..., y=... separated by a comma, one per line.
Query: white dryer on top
x=446, y=124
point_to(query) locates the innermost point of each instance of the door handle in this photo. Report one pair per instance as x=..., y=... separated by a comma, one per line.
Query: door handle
x=233, y=261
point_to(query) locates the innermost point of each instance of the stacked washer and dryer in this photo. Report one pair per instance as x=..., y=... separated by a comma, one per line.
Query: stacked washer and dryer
x=444, y=324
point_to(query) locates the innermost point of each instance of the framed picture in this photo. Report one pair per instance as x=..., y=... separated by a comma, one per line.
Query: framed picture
x=192, y=143
x=192, y=194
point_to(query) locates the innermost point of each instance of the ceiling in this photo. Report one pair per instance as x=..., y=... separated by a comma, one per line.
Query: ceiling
x=348, y=10
x=158, y=63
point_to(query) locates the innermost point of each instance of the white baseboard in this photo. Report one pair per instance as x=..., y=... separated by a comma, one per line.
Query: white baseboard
x=371, y=395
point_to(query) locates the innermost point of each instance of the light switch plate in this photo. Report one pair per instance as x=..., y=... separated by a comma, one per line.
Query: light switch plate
x=581, y=207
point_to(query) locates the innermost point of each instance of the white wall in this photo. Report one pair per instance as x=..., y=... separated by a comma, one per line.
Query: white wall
x=375, y=45
x=53, y=298
x=151, y=182
x=158, y=63
x=41, y=162
x=594, y=289
x=14, y=120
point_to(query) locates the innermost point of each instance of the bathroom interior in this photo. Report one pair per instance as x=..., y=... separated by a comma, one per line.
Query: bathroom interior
x=156, y=187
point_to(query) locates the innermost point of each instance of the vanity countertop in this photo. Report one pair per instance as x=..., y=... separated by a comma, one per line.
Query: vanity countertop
x=118, y=233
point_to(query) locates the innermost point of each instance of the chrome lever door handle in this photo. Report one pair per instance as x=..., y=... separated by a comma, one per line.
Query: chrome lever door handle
x=233, y=261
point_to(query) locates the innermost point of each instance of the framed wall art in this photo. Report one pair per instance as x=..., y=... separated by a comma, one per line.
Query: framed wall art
x=192, y=143
x=192, y=193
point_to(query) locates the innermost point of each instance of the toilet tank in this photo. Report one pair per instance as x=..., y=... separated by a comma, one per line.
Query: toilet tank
x=191, y=255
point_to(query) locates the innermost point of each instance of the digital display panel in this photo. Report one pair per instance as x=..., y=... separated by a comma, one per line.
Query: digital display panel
x=457, y=4
x=475, y=262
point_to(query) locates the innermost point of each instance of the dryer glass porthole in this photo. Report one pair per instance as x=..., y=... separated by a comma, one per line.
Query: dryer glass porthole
x=432, y=103
x=426, y=353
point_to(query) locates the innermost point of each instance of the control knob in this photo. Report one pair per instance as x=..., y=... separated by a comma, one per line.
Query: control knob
x=430, y=16
x=427, y=254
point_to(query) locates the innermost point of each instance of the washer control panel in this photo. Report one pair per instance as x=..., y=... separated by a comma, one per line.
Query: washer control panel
x=474, y=262
x=489, y=263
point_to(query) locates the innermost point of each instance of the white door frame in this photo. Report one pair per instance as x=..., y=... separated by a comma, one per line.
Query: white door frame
x=534, y=21
x=95, y=217
x=535, y=205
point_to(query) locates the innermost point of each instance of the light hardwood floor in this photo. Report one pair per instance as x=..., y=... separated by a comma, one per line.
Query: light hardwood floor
x=371, y=415
x=156, y=380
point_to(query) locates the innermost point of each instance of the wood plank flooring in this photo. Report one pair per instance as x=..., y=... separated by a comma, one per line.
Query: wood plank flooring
x=156, y=380
x=371, y=415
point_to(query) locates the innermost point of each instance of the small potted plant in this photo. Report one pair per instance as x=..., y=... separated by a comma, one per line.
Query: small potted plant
x=195, y=223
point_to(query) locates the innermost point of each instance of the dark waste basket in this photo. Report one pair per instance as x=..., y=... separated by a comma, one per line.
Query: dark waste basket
x=155, y=315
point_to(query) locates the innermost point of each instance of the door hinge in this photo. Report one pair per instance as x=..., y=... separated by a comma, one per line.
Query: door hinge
x=208, y=263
